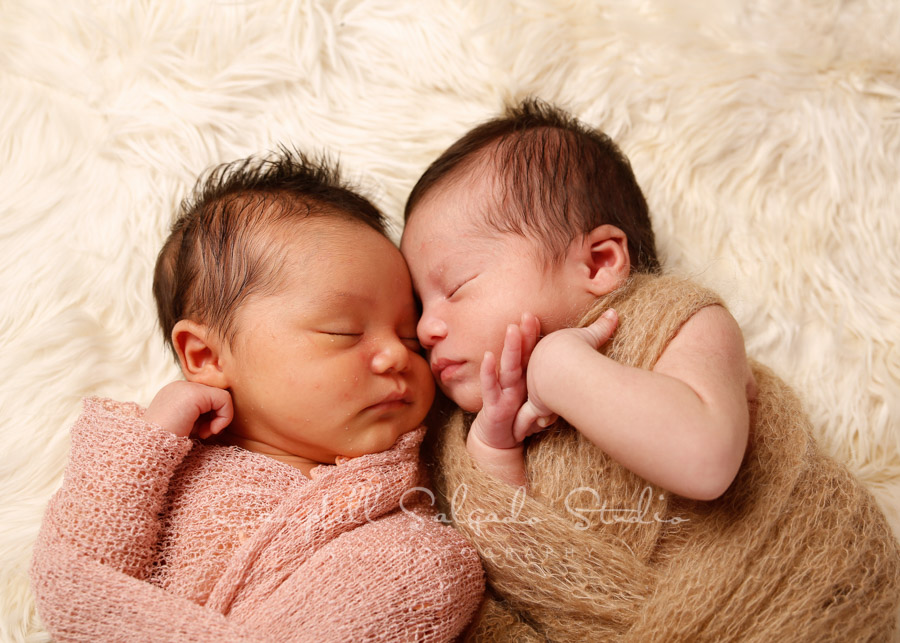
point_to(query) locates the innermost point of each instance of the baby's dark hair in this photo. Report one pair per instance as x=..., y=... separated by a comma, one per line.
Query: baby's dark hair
x=223, y=246
x=555, y=180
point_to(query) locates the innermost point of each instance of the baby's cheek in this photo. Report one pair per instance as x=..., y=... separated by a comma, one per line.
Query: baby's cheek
x=348, y=389
x=421, y=381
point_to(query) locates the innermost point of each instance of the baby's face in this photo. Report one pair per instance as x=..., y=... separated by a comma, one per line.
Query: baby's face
x=472, y=285
x=329, y=364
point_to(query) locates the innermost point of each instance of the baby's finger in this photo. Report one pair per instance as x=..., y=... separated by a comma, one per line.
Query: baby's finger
x=511, y=357
x=601, y=330
x=204, y=427
x=219, y=415
x=530, y=420
x=224, y=414
x=531, y=331
x=220, y=401
x=490, y=391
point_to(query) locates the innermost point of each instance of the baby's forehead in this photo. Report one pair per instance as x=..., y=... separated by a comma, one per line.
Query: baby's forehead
x=320, y=244
x=460, y=204
x=434, y=251
x=328, y=259
x=337, y=240
x=457, y=216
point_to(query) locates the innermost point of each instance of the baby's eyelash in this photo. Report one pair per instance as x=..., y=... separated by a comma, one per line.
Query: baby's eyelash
x=454, y=290
x=342, y=337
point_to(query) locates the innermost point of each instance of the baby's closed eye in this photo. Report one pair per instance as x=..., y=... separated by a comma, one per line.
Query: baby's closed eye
x=454, y=290
x=342, y=337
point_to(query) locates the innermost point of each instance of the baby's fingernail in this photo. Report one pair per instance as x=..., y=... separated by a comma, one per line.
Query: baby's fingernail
x=609, y=314
x=543, y=421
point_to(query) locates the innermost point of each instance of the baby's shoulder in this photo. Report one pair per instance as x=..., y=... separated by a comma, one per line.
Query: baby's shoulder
x=711, y=330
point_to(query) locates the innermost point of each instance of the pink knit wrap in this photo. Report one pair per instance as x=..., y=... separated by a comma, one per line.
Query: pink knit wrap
x=156, y=537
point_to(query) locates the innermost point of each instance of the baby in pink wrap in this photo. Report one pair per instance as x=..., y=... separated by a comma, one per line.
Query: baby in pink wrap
x=272, y=494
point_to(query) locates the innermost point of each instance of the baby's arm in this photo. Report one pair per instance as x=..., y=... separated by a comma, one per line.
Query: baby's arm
x=96, y=542
x=81, y=599
x=120, y=464
x=401, y=577
x=114, y=486
x=682, y=425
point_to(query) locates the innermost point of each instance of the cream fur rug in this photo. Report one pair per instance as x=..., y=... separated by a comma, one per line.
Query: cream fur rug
x=766, y=134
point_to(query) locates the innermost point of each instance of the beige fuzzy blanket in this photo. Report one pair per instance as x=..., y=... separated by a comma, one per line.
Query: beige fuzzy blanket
x=766, y=134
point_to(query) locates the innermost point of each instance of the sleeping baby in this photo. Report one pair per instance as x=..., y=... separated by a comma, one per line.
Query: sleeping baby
x=269, y=496
x=624, y=471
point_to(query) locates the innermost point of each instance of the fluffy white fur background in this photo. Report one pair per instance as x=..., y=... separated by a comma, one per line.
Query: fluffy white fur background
x=766, y=134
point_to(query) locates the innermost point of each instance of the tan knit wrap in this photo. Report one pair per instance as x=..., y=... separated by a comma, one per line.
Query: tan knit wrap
x=795, y=550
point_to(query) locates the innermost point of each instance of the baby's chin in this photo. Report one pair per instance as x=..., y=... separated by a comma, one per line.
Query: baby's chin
x=378, y=440
x=465, y=395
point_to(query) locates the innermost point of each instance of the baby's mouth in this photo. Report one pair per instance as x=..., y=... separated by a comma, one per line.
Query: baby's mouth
x=392, y=401
x=445, y=369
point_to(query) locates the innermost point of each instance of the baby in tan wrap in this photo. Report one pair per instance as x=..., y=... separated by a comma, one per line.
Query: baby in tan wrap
x=629, y=474
x=497, y=264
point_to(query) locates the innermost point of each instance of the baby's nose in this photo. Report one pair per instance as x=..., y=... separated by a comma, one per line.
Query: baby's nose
x=392, y=355
x=430, y=329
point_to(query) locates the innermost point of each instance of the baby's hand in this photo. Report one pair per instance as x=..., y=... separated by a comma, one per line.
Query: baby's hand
x=186, y=408
x=503, y=392
x=546, y=356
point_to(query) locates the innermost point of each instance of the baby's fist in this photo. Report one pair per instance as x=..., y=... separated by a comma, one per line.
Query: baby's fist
x=186, y=408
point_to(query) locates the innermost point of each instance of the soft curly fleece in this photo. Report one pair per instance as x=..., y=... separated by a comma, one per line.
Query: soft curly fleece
x=158, y=538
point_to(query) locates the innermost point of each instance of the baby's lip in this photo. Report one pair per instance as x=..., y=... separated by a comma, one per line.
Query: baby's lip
x=397, y=396
x=403, y=396
x=444, y=367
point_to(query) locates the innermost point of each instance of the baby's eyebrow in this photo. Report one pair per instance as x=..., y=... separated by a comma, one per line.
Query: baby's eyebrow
x=436, y=274
x=337, y=297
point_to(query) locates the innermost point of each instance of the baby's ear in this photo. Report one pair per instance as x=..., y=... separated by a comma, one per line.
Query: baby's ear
x=604, y=253
x=199, y=353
